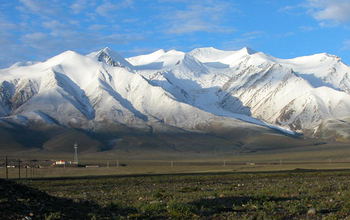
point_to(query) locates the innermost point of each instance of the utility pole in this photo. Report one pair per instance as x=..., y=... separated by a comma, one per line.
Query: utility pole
x=31, y=169
x=19, y=169
x=32, y=165
x=7, y=171
x=76, y=153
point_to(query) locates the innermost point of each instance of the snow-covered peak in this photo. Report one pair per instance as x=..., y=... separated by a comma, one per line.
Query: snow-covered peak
x=322, y=69
x=209, y=54
x=247, y=51
x=315, y=59
x=190, y=64
x=18, y=64
x=213, y=55
x=110, y=57
x=294, y=93
x=161, y=59
x=62, y=57
x=146, y=59
x=157, y=60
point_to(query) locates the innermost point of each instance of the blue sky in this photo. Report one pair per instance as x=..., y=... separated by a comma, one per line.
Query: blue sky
x=39, y=29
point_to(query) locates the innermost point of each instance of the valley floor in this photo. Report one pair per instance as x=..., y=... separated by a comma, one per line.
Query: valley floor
x=297, y=194
x=39, y=164
x=142, y=168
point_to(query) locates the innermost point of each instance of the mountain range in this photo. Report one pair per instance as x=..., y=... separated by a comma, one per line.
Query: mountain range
x=108, y=101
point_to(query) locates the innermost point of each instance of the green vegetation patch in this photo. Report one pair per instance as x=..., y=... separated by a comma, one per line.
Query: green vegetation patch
x=283, y=195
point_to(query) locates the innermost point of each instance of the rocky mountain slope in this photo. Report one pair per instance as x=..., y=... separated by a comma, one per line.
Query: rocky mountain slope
x=297, y=94
x=203, y=91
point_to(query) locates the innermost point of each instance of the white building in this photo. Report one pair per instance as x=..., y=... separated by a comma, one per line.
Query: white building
x=60, y=162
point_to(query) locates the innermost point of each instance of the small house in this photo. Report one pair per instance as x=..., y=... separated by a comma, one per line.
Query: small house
x=60, y=162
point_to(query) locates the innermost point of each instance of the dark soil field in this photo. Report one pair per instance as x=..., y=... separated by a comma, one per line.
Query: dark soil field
x=298, y=194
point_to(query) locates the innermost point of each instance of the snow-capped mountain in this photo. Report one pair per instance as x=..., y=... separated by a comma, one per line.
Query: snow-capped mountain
x=297, y=94
x=204, y=90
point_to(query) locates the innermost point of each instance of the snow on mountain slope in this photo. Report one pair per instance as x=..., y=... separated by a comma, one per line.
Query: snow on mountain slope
x=146, y=59
x=337, y=129
x=321, y=70
x=289, y=93
x=177, y=91
x=102, y=90
x=213, y=55
x=157, y=60
x=110, y=57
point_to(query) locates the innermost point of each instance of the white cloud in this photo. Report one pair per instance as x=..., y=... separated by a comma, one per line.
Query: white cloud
x=97, y=27
x=108, y=7
x=193, y=26
x=329, y=10
x=32, y=5
x=49, y=44
x=307, y=28
x=37, y=36
x=244, y=40
x=289, y=8
x=79, y=5
x=346, y=45
x=43, y=28
x=6, y=25
x=40, y=7
x=52, y=24
x=198, y=16
x=253, y=34
x=66, y=33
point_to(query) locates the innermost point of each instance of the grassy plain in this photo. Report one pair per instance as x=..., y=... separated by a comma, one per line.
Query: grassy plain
x=298, y=194
x=279, y=183
x=166, y=167
x=326, y=156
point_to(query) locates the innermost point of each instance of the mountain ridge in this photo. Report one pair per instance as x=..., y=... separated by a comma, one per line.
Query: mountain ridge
x=203, y=91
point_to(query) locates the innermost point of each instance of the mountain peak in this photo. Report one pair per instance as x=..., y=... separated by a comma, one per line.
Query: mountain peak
x=331, y=56
x=205, y=50
x=174, y=52
x=247, y=51
x=213, y=55
x=215, y=50
x=110, y=57
x=160, y=51
x=107, y=50
x=64, y=56
x=168, y=88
